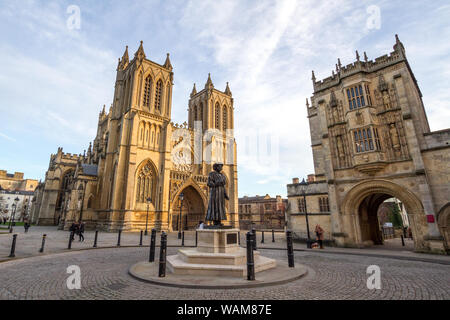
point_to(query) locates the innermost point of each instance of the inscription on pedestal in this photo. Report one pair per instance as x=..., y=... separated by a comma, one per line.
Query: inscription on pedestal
x=231, y=238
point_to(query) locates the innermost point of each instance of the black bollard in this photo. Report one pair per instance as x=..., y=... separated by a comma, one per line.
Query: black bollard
x=196, y=238
x=262, y=236
x=43, y=243
x=152, y=246
x=118, y=237
x=239, y=238
x=250, y=257
x=95, y=238
x=70, y=240
x=140, y=240
x=403, y=240
x=254, y=239
x=290, y=249
x=13, y=247
x=182, y=239
x=162, y=255
x=273, y=236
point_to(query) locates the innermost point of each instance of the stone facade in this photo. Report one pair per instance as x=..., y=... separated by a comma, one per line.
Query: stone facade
x=16, y=182
x=371, y=141
x=140, y=161
x=262, y=212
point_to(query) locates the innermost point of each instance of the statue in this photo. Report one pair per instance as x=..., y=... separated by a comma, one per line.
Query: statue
x=217, y=195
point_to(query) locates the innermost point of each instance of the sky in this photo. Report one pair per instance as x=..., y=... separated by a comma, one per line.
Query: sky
x=59, y=61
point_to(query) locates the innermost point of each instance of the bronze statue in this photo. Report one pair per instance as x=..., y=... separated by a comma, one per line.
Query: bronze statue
x=217, y=195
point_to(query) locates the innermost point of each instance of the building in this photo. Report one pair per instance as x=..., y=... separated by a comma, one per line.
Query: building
x=16, y=182
x=262, y=212
x=371, y=141
x=140, y=162
x=23, y=204
x=385, y=209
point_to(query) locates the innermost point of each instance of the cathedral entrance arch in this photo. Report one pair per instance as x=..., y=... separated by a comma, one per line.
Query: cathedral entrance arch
x=192, y=212
x=360, y=208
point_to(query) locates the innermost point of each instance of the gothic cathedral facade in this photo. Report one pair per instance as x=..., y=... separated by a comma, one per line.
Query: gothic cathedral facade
x=140, y=162
x=371, y=141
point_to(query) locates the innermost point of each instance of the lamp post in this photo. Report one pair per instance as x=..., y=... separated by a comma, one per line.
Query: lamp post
x=14, y=206
x=149, y=200
x=303, y=187
x=181, y=196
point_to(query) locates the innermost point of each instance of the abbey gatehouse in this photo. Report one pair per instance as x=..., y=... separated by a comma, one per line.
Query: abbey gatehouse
x=371, y=141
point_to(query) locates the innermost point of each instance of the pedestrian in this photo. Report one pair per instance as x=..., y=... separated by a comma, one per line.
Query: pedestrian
x=319, y=235
x=26, y=224
x=73, y=230
x=81, y=230
x=201, y=225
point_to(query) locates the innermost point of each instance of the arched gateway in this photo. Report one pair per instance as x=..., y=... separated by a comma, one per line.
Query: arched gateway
x=360, y=206
x=192, y=211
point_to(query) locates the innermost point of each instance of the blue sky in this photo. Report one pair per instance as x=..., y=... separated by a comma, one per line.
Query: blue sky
x=54, y=80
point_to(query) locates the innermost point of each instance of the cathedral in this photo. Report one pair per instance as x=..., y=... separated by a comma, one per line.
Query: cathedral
x=142, y=170
x=371, y=141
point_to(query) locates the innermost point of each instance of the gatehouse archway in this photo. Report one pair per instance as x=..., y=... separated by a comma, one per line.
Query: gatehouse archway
x=192, y=212
x=360, y=206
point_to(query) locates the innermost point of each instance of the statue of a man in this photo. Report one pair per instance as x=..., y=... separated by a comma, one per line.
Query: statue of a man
x=217, y=195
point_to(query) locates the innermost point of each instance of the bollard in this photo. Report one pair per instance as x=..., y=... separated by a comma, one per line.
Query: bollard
x=196, y=238
x=162, y=255
x=152, y=246
x=250, y=257
x=70, y=240
x=118, y=238
x=239, y=237
x=262, y=236
x=13, y=247
x=273, y=236
x=140, y=241
x=43, y=243
x=95, y=238
x=254, y=239
x=403, y=240
x=290, y=249
x=182, y=239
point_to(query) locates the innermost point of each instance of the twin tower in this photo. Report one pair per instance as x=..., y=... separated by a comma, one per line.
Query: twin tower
x=142, y=169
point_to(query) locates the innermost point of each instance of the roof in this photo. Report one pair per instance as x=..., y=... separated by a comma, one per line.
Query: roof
x=89, y=169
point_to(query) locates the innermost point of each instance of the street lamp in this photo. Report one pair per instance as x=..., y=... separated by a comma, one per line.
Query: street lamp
x=181, y=196
x=303, y=188
x=149, y=200
x=14, y=206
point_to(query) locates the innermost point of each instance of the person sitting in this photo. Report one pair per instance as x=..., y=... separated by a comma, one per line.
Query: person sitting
x=201, y=225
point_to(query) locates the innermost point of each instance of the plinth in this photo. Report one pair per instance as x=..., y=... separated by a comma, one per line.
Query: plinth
x=217, y=254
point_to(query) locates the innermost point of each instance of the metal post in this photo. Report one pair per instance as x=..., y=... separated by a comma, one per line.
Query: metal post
x=254, y=239
x=140, y=240
x=95, y=238
x=403, y=240
x=290, y=249
x=182, y=239
x=250, y=257
x=196, y=238
x=70, y=240
x=118, y=238
x=308, y=242
x=43, y=243
x=273, y=235
x=152, y=246
x=239, y=237
x=162, y=255
x=262, y=236
x=146, y=221
x=13, y=247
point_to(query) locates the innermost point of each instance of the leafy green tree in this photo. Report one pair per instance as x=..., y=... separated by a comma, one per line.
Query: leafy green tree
x=395, y=216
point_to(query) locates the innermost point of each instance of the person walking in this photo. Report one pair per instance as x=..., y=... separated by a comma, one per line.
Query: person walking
x=73, y=230
x=81, y=230
x=319, y=235
x=26, y=224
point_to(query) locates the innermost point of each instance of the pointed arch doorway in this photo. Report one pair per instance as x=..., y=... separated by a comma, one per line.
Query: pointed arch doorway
x=193, y=210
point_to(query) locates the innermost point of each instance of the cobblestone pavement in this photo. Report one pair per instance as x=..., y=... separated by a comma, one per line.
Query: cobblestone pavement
x=104, y=275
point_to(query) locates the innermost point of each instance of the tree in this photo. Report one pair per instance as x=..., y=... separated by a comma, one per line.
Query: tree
x=395, y=216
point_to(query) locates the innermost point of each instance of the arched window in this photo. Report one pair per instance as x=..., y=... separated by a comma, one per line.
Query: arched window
x=201, y=113
x=147, y=90
x=225, y=119
x=195, y=113
x=217, y=117
x=158, y=91
x=144, y=186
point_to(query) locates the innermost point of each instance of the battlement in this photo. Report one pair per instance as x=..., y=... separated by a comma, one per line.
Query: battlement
x=366, y=66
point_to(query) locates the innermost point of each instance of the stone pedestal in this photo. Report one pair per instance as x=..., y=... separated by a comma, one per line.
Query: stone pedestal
x=217, y=254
